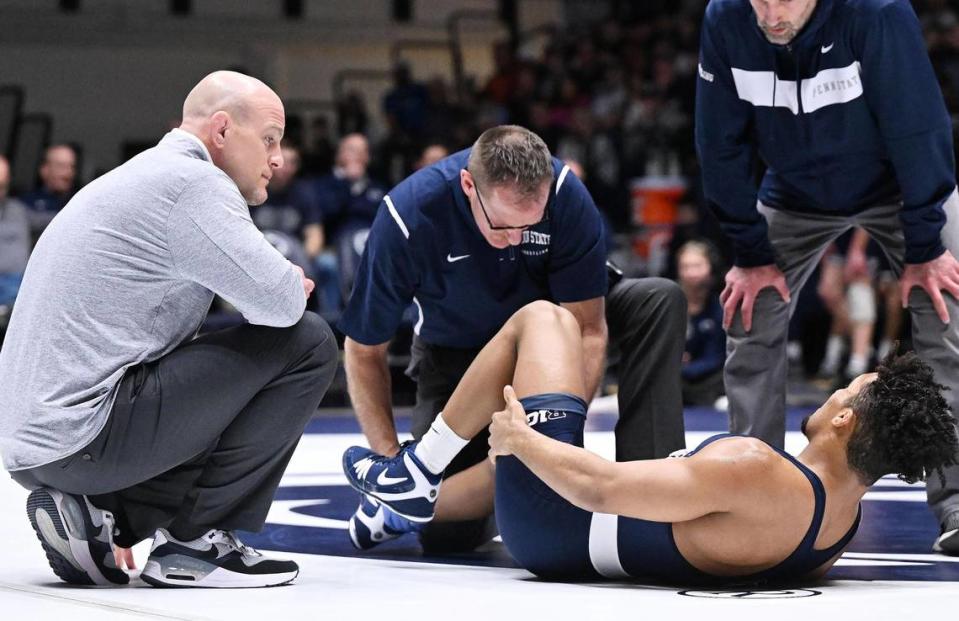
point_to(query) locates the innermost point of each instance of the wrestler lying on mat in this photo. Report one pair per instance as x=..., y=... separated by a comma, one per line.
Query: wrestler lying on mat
x=733, y=510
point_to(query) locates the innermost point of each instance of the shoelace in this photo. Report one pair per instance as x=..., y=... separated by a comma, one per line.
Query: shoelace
x=111, y=525
x=229, y=538
x=107, y=520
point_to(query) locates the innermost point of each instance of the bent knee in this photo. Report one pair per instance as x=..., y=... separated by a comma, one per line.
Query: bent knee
x=671, y=294
x=651, y=292
x=314, y=333
x=543, y=312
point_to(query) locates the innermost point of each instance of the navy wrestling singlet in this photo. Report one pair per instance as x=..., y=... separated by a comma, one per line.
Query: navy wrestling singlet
x=552, y=538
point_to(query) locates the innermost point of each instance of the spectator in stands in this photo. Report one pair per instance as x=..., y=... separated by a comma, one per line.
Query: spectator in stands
x=431, y=154
x=705, y=353
x=348, y=200
x=14, y=242
x=846, y=289
x=576, y=167
x=596, y=151
x=58, y=174
x=318, y=158
x=406, y=107
x=290, y=218
x=501, y=84
x=351, y=115
x=442, y=115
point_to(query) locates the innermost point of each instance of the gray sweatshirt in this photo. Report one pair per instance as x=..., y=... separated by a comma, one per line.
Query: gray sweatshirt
x=124, y=274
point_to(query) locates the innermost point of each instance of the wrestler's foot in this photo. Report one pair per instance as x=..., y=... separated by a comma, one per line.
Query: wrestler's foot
x=373, y=523
x=216, y=560
x=402, y=483
x=76, y=536
x=948, y=541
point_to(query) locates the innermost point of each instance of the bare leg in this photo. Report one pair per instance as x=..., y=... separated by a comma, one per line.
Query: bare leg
x=861, y=297
x=832, y=291
x=833, y=294
x=467, y=495
x=889, y=289
x=539, y=349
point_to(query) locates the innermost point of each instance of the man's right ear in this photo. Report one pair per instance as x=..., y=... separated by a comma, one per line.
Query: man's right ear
x=220, y=122
x=466, y=181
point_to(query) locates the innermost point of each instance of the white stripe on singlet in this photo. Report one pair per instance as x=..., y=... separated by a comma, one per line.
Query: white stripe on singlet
x=603, y=547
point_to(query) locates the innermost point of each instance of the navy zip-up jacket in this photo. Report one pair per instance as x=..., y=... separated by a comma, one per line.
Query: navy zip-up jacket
x=847, y=116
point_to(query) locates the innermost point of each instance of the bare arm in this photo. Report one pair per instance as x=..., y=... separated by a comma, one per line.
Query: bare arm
x=313, y=239
x=662, y=490
x=591, y=315
x=369, y=385
x=857, y=264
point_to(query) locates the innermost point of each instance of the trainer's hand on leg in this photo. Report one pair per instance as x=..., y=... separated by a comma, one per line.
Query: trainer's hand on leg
x=508, y=427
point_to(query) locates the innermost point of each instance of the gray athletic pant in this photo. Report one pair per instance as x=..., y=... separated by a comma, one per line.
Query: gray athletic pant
x=755, y=370
x=647, y=327
x=203, y=435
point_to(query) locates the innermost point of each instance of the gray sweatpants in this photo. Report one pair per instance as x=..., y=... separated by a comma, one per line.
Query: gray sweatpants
x=755, y=371
x=200, y=438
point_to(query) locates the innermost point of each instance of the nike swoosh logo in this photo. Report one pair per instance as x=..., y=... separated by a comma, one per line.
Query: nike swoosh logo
x=453, y=259
x=826, y=48
x=384, y=479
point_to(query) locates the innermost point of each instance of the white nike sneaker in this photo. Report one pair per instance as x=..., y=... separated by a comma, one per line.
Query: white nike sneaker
x=76, y=536
x=216, y=560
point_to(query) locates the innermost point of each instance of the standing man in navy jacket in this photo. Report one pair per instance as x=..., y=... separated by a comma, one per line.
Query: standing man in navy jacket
x=470, y=240
x=839, y=100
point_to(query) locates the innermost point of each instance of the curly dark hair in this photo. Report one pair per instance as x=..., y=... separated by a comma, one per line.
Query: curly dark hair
x=904, y=425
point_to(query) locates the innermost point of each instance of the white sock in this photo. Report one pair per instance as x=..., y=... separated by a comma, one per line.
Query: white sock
x=793, y=351
x=834, y=346
x=885, y=346
x=439, y=446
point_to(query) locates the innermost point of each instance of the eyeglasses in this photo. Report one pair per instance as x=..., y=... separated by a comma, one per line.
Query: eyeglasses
x=493, y=227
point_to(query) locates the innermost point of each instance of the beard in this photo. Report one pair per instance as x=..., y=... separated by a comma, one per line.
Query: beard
x=788, y=33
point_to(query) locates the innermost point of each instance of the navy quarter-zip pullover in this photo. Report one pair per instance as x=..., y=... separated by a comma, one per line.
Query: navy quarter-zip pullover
x=847, y=116
x=425, y=248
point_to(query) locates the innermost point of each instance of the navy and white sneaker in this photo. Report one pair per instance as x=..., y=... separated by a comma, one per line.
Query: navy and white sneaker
x=216, y=560
x=76, y=536
x=402, y=483
x=373, y=523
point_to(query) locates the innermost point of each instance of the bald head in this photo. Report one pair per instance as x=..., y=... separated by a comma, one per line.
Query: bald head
x=226, y=91
x=240, y=120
